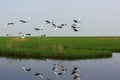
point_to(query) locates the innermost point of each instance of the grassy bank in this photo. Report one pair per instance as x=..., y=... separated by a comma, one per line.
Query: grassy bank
x=59, y=47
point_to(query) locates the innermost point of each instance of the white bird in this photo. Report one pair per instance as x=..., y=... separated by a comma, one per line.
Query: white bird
x=43, y=36
x=58, y=26
x=22, y=37
x=28, y=34
x=77, y=20
x=25, y=21
x=76, y=29
x=76, y=78
x=55, y=65
x=62, y=25
x=76, y=69
x=75, y=73
x=36, y=74
x=58, y=74
x=55, y=68
x=48, y=21
x=26, y=69
x=63, y=69
x=75, y=25
x=40, y=28
x=54, y=24
x=37, y=29
x=10, y=23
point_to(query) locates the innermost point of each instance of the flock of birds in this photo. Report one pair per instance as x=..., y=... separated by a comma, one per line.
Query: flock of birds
x=58, y=70
x=36, y=74
x=75, y=25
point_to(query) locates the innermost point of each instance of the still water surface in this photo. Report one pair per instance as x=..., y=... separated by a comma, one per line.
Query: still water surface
x=90, y=69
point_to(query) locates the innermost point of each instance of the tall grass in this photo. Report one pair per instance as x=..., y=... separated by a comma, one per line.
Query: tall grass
x=60, y=47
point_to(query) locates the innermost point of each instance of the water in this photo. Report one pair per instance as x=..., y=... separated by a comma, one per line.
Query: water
x=90, y=69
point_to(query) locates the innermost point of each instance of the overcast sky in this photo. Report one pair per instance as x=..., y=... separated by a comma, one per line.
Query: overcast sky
x=98, y=17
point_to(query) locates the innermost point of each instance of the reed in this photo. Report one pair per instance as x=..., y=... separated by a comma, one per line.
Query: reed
x=60, y=47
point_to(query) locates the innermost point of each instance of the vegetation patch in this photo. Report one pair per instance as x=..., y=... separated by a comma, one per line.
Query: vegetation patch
x=60, y=47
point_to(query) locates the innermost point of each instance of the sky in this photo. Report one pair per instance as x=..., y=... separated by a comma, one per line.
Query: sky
x=98, y=17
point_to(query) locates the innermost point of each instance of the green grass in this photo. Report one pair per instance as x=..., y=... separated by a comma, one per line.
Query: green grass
x=59, y=47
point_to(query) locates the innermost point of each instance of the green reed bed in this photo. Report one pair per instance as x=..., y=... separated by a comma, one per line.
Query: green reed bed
x=59, y=47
